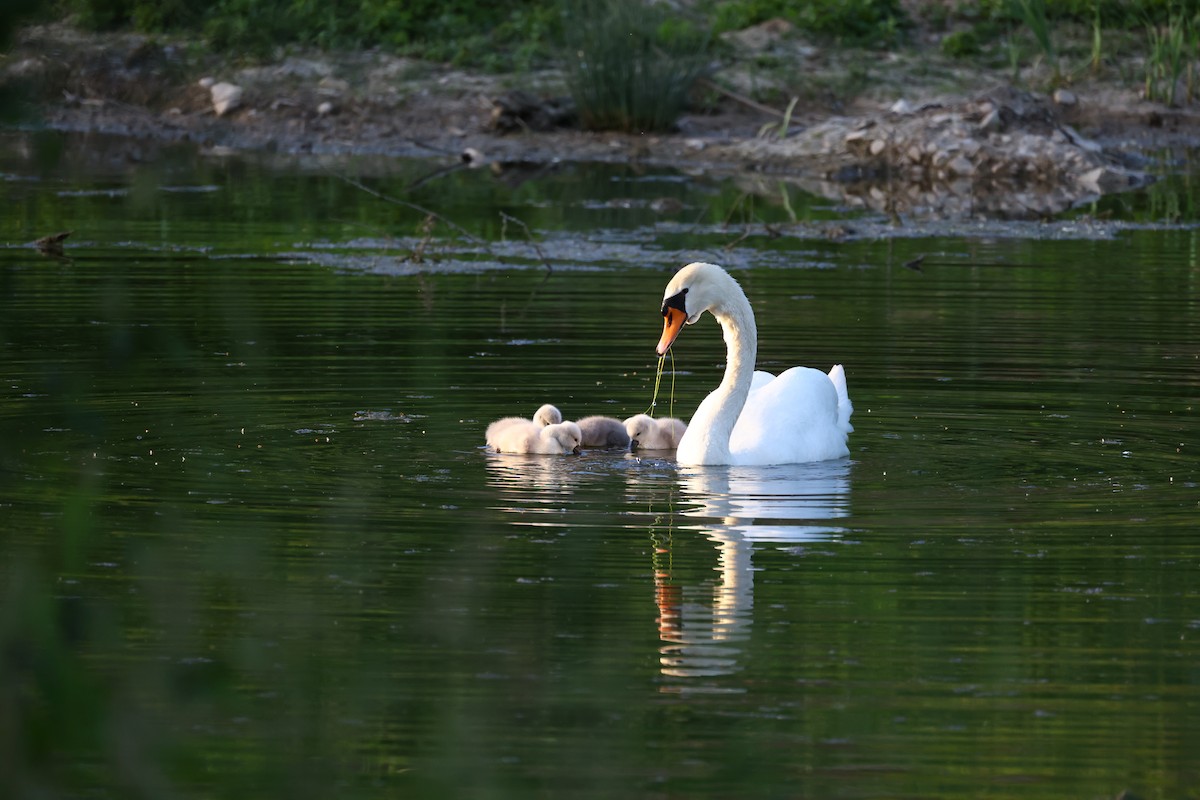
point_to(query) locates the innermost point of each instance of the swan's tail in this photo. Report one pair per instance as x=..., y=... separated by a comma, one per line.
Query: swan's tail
x=845, y=407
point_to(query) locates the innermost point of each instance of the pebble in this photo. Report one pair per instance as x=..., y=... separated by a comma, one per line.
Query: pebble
x=1065, y=97
x=225, y=97
x=991, y=121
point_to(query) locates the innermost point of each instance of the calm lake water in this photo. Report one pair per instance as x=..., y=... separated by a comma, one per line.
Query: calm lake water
x=253, y=546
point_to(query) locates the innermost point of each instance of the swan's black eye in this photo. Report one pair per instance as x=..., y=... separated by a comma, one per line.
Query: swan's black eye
x=675, y=301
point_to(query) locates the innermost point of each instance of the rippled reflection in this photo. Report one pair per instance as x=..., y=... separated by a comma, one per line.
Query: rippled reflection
x=736, y=507
x=531, y=483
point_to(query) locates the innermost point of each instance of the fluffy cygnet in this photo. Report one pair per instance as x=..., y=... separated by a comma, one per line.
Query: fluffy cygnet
x=526, y=437
x=546, y=415
x=603, y=432
x=648, y=433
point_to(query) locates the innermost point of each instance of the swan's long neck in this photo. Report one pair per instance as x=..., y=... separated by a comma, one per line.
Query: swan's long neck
x=741, y=348
x=713, y=422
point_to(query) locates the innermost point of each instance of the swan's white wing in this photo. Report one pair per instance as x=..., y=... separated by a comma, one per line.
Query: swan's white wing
x=760, y=379
x=790, y=420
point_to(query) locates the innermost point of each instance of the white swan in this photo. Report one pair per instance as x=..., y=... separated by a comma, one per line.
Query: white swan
x=599, y=431
x=546, y=415
x=752, y=419
x=526, y=437
x=647, y=433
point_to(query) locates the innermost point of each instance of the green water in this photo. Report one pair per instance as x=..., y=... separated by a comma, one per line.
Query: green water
x=253, y=546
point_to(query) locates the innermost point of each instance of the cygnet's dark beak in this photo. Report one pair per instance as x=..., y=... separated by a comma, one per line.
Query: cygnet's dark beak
x=576, y=450
x=633, y=445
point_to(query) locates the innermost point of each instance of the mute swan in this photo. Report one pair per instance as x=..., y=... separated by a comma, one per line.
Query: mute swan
x=524, y=436
x=603, y=432
x=802, y=415
x=546, y=415
x=647, y=433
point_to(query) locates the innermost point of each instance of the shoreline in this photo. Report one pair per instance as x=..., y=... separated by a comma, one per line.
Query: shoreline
x=990, y=150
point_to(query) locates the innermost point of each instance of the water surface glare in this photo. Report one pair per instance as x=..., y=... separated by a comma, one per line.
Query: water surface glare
x=254, y=546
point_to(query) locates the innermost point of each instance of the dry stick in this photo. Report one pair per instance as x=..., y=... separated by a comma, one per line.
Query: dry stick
x=746, y=101
x=733, y=208
x=433, y=176
x=397, y=201
x=738, y=240
x=529, y=235
x=417, y=255
x=432, y=147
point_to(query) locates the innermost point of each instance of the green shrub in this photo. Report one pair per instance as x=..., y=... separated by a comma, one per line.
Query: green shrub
x=630, y=66
x=961, y=44
x=467, y=31
x=875, y=23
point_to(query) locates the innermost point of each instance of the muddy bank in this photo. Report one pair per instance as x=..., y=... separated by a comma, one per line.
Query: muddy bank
x=901, y=149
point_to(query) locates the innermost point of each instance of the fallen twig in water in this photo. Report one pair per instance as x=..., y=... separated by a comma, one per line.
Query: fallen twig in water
x=417, y=255
x=506, y=218
x=52, y=245
x=397, y=201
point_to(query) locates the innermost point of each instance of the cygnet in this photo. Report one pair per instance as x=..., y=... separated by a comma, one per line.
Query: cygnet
x=525, y=437
x=647, y=433
x=601, y=431
x=546, y=415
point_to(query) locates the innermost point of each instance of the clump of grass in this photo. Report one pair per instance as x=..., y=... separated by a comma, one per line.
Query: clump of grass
x=961, y=44
x=863, y=23
x=631, y=67
x=779, y=130
x=1173, y=50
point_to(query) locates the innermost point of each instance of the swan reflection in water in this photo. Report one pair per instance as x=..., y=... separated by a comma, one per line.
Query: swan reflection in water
x=737, y=508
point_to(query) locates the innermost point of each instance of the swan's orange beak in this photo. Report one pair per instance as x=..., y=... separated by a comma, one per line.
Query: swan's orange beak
x=673, y=320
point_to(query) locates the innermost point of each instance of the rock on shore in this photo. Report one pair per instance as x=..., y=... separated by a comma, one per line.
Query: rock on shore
x=1005, y=153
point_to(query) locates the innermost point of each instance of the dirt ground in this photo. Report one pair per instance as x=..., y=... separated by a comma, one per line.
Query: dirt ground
x=944, y=132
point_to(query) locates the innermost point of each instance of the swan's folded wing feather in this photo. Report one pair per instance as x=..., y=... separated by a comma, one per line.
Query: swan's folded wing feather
x=792, y=419
x=760, y=379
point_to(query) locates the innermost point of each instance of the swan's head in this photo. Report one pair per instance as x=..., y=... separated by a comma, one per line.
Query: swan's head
x=696, y=288
x=547, y=415
x=567, y=434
